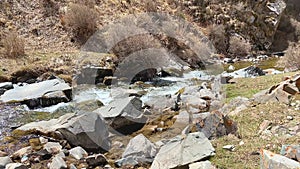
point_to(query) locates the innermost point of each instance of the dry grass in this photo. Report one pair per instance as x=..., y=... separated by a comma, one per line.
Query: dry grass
x=13, y=45
x=217, y=35
x=249, y=120
x=292, y=57
x=82, y=20
x=238, y=46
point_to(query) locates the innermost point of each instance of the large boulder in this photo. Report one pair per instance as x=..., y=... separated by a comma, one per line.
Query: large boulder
x=139, y=149
x=123, y=112
x=181, y=151
x=270, y=160
x=93, y=75
x=43, y=94
x=87, y=130
x=216, y=125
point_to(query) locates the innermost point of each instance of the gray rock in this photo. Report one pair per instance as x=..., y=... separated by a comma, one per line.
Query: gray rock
x=216, y=125
x=72, y=166
x=58, y=163
x=6, y=85
x=202, y=165
x=52, y=147
x=96, y=160
x=181, y=151
x=45, y=93
x=291, y=151
x=140, y=149
x=4, y=161
x=15, y=166
x=128, y=161
x=78, y=153
x=93, y=75
x=20, y=153
x=270, y=160
x=87, y=130
x=235, y=105
x=195, y=104
x=159, y=102
x=123, y=112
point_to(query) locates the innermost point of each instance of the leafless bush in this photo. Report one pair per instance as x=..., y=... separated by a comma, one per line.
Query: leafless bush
x=238, y=46
x=82, y=20
x=217, y=34
x=13, y=45
x=292, y=57
x=50, y=7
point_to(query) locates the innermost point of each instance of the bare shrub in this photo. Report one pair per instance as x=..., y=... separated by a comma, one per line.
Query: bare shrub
x=50, y=7
x=292, y=57
x=13, y=45
x=217, y=34
x=82, y=20
x=238, y=46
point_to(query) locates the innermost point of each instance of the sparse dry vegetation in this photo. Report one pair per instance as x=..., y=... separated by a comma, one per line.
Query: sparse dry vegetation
x=238, y=46
x=13, y=45
x=217, y=35
x=292, y=57
x=82, y=20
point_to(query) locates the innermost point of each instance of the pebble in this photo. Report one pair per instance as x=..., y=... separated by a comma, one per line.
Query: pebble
x=289, y=117
x=229, y=147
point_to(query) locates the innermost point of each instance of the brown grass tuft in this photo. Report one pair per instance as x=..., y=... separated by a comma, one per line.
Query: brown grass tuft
x=82, y=20
x=13, y=45
x=238, y=46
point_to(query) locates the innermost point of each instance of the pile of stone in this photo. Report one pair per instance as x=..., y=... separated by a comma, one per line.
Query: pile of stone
x=281, y=92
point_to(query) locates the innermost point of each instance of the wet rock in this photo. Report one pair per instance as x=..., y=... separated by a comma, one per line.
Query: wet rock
x=4, y=161
x=291, y=151
x=53, y=147
x=251, y=71
x=139, y=149
x=96, y=160
x=78, y=153
x=123, y=112
x=93, y=75
x=43, y=94
x=181, y=151
x=160, y=102
x=128, y=161
x=16, y=166
x=5, y=86
x=275, y=161
x=202, y=165
x=89, y=105
x=58, y=163
x=87, y=130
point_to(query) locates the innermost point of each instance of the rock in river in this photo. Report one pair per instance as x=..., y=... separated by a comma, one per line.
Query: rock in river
x=122, y=113
x=87, y=130
x=43, y=94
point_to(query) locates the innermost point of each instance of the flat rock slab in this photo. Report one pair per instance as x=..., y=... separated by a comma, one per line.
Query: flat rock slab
x=183, y=150
x=87, y=130
x=123, y=112
x=33, y=93
x=270, y=160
